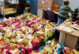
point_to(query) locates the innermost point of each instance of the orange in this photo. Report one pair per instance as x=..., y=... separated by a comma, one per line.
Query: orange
x=35, y=40
x=2, y=43
x=48, y=26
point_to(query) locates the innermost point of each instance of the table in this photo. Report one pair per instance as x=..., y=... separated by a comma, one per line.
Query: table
x=69, y=39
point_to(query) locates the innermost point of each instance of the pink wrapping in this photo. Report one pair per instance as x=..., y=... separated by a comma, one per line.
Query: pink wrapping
x=38, y=20
x=28, y=50
x=36, y=51
x=64, y=52
x=16, y=21
x=11, y=29
x=5, y=25
x=22, y=52
x=37, y=29
x=1, y=50
x=42, y=26
x=6, y=46
x=18, y=26
x=8, y=52
x=27, y=25
x=32, y=23
x=21, y=46
x=36, y=43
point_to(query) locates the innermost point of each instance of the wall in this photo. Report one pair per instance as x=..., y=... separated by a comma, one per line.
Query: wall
x=74, y=4
x=59, y=2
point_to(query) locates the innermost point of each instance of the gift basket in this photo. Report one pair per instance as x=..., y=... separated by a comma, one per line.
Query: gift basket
x=13, y=49
x=51, y=47
x=68, y=50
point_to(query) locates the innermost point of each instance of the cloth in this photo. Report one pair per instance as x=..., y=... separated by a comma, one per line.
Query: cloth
x=60, y=20
x=51, y=16
x=28, y=1
x=33, y=6
x=21, y=6
x=63, y=11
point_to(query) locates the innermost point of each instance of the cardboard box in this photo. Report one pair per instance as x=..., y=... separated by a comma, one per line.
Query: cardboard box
x=49, y=4
x=41, y=4
x=56, y=8
x=46, y=4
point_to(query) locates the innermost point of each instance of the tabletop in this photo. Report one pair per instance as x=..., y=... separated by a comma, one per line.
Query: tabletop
x=68, y=30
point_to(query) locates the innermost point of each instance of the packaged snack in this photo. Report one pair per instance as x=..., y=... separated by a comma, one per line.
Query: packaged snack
x=52, y=47
x=35, y=52
x=3, y=42
x=12, y=48
x=68, y=50
x=26, y=43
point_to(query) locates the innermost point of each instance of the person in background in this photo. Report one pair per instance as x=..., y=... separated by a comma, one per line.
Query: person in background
x=22, y=4
x=63, y=12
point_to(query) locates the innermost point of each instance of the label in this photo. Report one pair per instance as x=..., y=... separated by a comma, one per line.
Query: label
x=48, y=8
x=42, y=2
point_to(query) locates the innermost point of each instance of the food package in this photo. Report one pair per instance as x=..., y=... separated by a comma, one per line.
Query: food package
x=20, y=32
x=3, y=42
x=51, y=47
x=12, y=48
x=9, y=11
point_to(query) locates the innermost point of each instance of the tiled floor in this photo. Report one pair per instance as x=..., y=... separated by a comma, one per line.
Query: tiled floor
x=1, y=18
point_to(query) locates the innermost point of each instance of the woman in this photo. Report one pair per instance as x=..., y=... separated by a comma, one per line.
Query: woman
x=63, y=12
x=22, y=4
